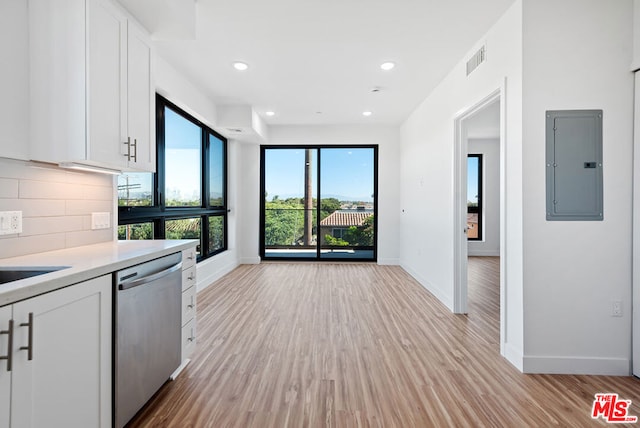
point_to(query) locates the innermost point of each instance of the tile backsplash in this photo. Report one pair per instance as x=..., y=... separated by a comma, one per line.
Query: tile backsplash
x=56, y=206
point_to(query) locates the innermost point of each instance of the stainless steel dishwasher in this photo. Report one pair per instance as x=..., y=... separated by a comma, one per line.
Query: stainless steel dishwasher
x=147, y=332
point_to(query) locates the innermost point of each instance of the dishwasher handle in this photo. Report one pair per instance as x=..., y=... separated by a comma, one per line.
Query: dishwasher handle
x=149, y=278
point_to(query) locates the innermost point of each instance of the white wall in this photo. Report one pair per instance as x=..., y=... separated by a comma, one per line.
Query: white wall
x=636, y=196
x=426, y=173
x=578, y=57
x=387, y=139
x=249, y=201
x=490, y=150
x=173, y=86
x=636, y=35
x=14, y=79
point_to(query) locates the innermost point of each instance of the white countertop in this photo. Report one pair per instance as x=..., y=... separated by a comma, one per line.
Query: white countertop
x=83, y=263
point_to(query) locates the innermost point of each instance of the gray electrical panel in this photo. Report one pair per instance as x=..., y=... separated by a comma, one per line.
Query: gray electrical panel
x=574, y=165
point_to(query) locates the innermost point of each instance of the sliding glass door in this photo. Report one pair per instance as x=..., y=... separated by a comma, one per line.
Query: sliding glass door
x=318, y=202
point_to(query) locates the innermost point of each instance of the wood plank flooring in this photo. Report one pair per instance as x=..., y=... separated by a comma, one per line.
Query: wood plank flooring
x=361, y=345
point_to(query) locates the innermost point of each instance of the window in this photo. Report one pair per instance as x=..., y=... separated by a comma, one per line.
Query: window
x=319, y=202
x=186, y=198
x=474, y=197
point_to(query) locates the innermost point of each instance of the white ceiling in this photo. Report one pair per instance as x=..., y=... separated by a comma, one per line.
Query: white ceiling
x=323, y=56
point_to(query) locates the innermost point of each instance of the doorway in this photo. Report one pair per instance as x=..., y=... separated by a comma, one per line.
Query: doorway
x=478, y=203
x=319, y=203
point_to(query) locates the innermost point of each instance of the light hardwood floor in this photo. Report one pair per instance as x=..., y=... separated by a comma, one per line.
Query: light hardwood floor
x=361, y=345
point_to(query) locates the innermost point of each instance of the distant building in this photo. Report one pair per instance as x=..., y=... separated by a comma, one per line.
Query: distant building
x=338, y=222
x=472, y=225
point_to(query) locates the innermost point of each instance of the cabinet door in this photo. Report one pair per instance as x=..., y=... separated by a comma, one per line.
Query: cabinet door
x=14, y=85
x=5, y=374
x=67, y=383
x=140, y=97
x=106, y=115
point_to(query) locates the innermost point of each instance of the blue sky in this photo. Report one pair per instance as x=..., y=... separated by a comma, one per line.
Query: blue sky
x=472, y=180
x=345, y=172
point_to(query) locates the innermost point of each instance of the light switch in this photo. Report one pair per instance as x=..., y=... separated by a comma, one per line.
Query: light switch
x=100, y=221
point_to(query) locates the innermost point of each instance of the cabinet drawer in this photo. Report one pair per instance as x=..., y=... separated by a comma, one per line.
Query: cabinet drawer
x=188, y=305
x=188, y=339
x=188, y=278
x=189, y=257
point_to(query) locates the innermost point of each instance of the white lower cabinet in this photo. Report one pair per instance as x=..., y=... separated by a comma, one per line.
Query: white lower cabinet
x=188, y=302
x=61, y=358
x=5, y=374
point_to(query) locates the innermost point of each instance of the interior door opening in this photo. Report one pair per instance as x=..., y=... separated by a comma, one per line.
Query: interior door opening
x=479, y=253
x=319, y=203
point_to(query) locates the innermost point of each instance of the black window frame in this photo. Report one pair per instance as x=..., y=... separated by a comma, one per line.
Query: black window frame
x=158, y=213
x=318, y=147
x=479, y=209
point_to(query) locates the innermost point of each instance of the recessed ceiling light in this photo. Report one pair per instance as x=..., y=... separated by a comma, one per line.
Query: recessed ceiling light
x=240, y=66
x=270, y=113
x=386, y=66
x=366, y=113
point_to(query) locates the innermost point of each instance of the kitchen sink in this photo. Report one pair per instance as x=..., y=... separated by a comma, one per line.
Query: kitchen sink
x=8, y=274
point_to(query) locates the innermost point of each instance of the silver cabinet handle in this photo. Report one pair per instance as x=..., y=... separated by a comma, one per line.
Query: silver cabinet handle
x=9, y=356
x=128, y=143
x=192, y=305
x=191, y=277
x=135, y=150
x=29, y=347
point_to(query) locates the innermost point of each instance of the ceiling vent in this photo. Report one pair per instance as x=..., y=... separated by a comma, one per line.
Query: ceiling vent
x=477, y=59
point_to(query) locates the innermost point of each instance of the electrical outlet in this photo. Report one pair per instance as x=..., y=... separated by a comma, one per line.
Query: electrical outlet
x=616, y=308
x=100, y=221
x=10, y=222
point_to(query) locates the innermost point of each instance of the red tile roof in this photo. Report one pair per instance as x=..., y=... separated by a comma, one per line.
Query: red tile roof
x=346, y=218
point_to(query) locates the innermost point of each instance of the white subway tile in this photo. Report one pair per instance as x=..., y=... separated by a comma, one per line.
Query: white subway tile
x=43, y=207
x=96, y=193
x=8, y=188
x=56, y=204
x=30, y=170
x=88, y=237
x=31, y=189
x=93, y=179
x=85, y=207
x=46, y=225
x=21, y=246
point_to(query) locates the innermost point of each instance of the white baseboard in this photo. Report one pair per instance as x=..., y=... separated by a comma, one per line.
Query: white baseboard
x=513, y=354
x=175, y=374
x=577, y=365
x=250, y=260
x=389, y=262
x=222, y=267
x=446, y=300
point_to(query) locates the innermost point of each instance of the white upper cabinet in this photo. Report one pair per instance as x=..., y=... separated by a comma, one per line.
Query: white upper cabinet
x=92, y=93
x=140, y=99
x=14, y=81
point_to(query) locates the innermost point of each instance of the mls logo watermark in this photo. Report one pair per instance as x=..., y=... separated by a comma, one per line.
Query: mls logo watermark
x=612, y=409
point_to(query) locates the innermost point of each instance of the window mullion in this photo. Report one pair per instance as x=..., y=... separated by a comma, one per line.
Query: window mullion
x=160, y=213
